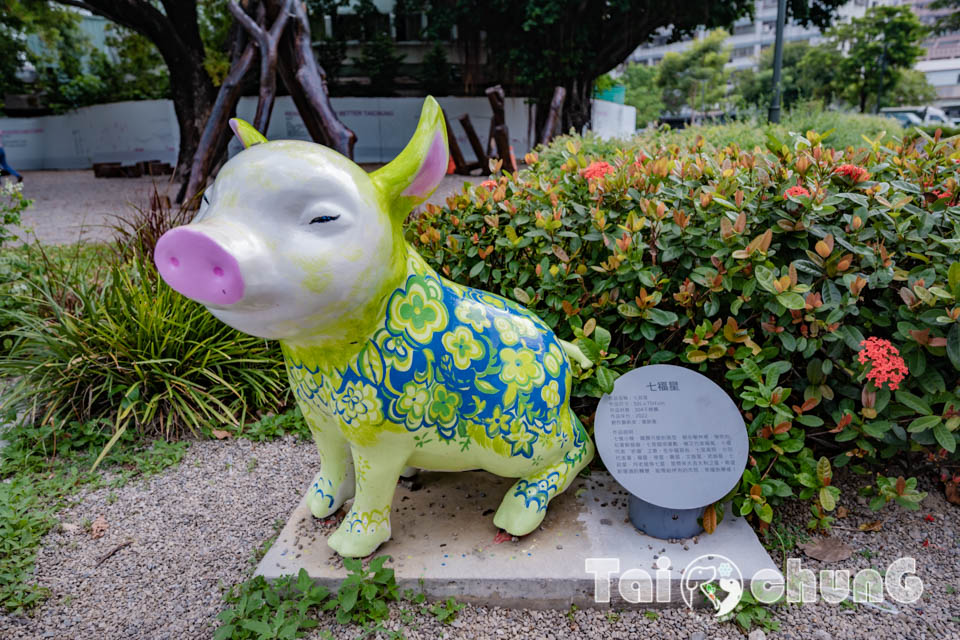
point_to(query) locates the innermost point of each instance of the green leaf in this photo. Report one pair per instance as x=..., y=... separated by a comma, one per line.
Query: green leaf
x=590, y=349
x=953, y=345
x=521, y=296
x=914, y=402
x=824, y=472
x=766, y=513
x=257, y=627
x=827, y=500
x=602, y=336
x=477, y=268
x=922, y=424
x=791, y=300
x=945, y=438
x=661, y=317
x=605, y=378
x=753, y=370
x=628, y=310
x=953, y=278
x=765, y=277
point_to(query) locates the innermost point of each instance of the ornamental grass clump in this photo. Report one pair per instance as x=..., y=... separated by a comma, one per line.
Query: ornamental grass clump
x=820, y=287
x=113, y=342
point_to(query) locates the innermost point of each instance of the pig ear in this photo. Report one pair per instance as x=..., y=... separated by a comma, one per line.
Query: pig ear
x=246, y=134
x=414, y=174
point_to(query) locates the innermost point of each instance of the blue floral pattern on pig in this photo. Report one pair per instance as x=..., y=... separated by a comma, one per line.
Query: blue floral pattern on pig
x=463, y=364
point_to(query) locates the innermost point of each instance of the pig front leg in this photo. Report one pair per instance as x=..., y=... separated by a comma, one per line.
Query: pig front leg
x=367, y=526
x=334, y=483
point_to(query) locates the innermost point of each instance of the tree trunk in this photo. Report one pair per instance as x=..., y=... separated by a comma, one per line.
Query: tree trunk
x=306, y=81
x=576, y=110
x=193, y=96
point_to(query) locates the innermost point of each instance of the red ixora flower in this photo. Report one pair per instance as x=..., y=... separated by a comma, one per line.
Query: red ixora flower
x=852, y=171
x=886, y=363
x=489, y=184
x=597, y=170
x=796, y=191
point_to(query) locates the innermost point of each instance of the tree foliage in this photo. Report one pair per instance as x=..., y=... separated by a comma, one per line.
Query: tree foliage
x=535, y=45
x=642, y=93
x=949, y=22
x=879, y=47
x=847, y=68
x=695, y=78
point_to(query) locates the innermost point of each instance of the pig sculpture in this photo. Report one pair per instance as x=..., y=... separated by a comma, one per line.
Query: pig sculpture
x=391, y=364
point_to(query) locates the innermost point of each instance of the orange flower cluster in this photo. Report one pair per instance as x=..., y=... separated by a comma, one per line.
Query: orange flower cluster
x=597, y=170
x=852, y=171
x=886, y=363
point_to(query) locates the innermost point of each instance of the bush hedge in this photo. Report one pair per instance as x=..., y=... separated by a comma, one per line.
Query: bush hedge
x=838, y=129
x=819, y=287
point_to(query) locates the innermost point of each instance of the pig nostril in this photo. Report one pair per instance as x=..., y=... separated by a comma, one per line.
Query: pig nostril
x=217, y=271
x=174, y=262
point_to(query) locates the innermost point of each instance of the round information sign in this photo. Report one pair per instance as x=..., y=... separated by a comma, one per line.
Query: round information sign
x=671, y=437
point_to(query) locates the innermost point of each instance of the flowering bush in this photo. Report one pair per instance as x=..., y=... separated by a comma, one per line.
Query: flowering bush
x=820, y=287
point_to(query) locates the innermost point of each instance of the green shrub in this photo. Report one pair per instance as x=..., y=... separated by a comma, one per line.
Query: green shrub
x=846, y=129
x=12, y=204
x=694, y=254
x=117, y=343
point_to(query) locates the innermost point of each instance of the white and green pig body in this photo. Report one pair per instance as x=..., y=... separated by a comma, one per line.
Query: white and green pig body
x=392, y=365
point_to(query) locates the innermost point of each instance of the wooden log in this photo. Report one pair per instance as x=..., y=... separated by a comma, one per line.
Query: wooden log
x=216, y=133
x=502, y=138
x=496, y=97
x=458, y=160
x=267, y=41
x=475, y=142
x=554, y=117
x=306, y=81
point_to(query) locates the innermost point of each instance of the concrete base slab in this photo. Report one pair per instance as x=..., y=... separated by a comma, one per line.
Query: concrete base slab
x=443, y=534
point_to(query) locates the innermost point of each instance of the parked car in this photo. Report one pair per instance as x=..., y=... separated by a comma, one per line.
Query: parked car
x=906, y=118
x=925, y=114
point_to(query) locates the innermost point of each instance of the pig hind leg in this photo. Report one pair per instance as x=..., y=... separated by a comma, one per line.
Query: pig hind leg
x=525, y=505
x=367, y=526
x=334, y=483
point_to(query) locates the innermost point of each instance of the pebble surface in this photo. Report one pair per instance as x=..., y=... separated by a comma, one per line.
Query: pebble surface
x=193, y=529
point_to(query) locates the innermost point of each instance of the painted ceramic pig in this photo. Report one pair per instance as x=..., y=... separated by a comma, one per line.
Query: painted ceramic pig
x=392, y=365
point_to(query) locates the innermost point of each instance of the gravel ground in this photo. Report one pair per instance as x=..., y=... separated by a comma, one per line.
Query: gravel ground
x=194, y=528
x=70, y=206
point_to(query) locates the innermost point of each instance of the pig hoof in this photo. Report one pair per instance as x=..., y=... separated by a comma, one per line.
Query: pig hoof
x=518, y=518
x=357, y=544
x=323, y=500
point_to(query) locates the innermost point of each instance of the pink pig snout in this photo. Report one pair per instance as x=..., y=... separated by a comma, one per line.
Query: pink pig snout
x=195, y=265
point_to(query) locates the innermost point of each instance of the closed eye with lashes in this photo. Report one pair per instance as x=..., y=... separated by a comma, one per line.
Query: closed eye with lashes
x=324, y=219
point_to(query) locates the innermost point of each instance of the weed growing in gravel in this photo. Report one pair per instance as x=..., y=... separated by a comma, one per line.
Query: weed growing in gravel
x=749, y=613
x=445, y=612
x=271, y=427
x=651, y=615
x=38, y=473
x=289, y=606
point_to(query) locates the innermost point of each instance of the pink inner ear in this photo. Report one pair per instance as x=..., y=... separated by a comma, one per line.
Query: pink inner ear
x=236, y=132
x=432, y=170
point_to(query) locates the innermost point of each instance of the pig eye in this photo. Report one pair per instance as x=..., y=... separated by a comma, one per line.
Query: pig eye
x=324, y=219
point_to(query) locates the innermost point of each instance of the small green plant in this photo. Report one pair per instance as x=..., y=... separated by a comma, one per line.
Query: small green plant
x=612, y=617
x=261, y=610
x=363, y=595
x=445, y=612
x=749, y=612
x=816, y=480
x=651, y=615
x=572, y=612
x=899, y=490
x=272, y=426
